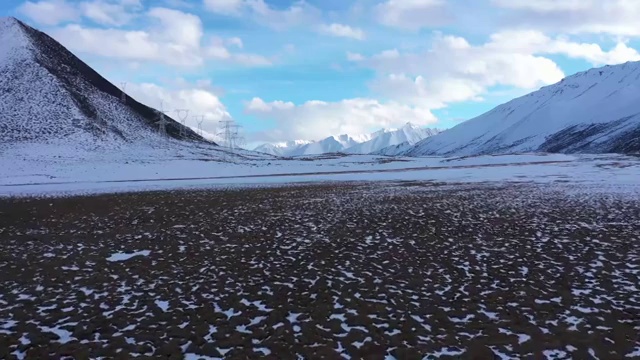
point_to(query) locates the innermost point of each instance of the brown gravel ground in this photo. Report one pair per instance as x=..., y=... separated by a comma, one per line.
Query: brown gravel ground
x=382, y=271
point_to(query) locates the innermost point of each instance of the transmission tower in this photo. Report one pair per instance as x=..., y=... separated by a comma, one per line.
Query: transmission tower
x=162, y=121
x=123, y=96
x=230, y=133
x=199, y=123
x=236, y=139
x=182, y=115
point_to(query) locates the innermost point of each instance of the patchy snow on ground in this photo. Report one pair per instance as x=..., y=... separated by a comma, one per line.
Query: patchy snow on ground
x=119, y=256
x=46, y=170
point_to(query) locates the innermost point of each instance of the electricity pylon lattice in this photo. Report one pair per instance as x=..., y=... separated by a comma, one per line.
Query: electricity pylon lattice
x=182, y=115
x=162, y=121
x=230, y=134
x=199, y=123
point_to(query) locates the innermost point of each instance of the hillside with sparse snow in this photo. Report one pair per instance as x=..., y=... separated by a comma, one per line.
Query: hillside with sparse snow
x=48, y=95
x=394, y=150
x=596, y=111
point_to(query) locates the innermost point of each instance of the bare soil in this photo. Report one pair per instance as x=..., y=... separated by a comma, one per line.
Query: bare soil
x=407, y=271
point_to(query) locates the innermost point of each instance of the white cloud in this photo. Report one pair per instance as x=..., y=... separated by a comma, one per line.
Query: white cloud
x=298, y=13
x=319, y=119
x=235, y=41
x=218, y=50
x=109, y=12
x=454, y=70
x=49, y=12
x=536, y=42
x=341, y=30
x=226, y=7
x=173, y=37
x=104, y=12
x=354, y=57
x=413, y=14
x=614, y=17
x=181, y=30
x=199, y=99
x=546, y=5
x=530, y=41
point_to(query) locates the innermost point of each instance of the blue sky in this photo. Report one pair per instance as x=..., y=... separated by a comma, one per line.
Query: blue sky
x=309, y=69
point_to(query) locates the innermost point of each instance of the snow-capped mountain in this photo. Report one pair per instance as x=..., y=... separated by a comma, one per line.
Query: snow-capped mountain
x=281, y=149
x=354, y=144
x=596, y=111
x=394, y=150
x=409, y=133
x=49, y=95
x=332, y=144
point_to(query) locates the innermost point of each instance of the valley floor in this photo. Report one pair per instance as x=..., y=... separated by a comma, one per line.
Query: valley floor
x=41, y=170
x=403, y=269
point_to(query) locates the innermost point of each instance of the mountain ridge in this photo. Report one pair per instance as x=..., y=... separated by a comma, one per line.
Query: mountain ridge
x=351, y=144
x=49, y=94
x=593, y=111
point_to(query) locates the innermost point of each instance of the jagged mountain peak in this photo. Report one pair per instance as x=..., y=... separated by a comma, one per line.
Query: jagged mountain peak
x=358, y=144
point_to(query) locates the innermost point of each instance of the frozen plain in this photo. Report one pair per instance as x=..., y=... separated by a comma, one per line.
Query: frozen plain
x=249, y=256
x=48, y=170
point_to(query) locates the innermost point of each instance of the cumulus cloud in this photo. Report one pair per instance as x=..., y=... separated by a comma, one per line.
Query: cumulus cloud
x=530, y=41
x=103, y=12
x=226, y=7
x=49, y=12
x=110, y=13
x=319, y=119
x=614, y=17
x=454, y=70
x=198, y=98
x=341, y=30
x=298, y=13
x=173, y=37
x=355, y=57
x=413, y=14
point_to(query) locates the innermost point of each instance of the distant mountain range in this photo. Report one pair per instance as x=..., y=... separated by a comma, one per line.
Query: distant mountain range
x=596, y=111
x=360, y=144
x=49, y=95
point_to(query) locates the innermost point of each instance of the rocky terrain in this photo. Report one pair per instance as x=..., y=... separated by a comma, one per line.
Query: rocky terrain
x=48, y=95
x=403, y=270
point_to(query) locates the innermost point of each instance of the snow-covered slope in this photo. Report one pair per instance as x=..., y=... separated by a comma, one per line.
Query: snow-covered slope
x=270, y=149
x=354, y=144
x=394, y=150
x=409, y=133
x=331, y=144
x=282, y=149
x=48, y=95
x=596, y=111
